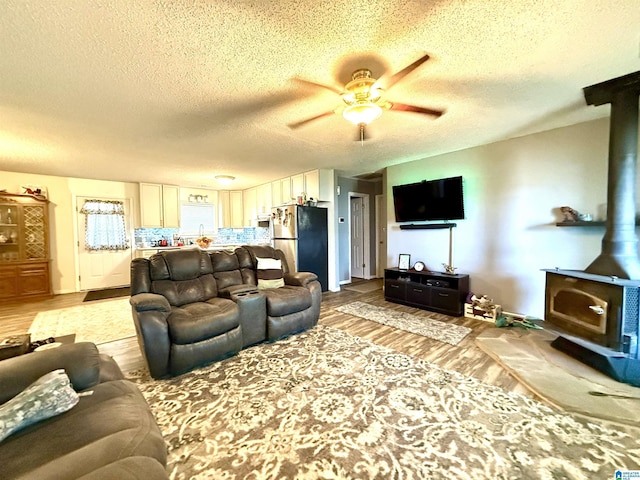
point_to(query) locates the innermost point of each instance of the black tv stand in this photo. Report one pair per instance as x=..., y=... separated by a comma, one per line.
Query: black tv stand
x=435, y=291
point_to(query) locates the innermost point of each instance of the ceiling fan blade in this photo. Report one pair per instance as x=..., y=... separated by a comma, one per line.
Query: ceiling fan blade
x=301, y=123
x=387, y=83
x=320, y=85
x=403, y=107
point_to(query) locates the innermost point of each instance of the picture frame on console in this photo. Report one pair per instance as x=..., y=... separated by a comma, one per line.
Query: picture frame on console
x=404, y=261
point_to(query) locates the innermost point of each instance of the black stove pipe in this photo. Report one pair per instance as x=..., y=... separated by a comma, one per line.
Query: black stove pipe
x=619, y=255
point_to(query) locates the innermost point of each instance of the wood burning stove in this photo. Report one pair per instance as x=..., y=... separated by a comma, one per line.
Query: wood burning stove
x=597, y=319
x=603, y=310
x=597, y=310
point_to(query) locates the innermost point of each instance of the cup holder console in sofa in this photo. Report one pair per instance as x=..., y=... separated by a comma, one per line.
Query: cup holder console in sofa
x=191, y=307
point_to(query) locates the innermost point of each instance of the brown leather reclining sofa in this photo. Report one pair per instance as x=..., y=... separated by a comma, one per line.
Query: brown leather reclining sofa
x=192, y=307
x=109, y=434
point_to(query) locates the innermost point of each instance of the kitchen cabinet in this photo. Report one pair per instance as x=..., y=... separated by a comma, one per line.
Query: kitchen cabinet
x=231, y=209
x=297, y=185
x=285, y=188
x=312, y=184
x=263, y=199
x=237, y=209
x=249, y=202
x=171, y=206
x=318, y=184
x=276, y=193
x=24, y=247
x=159, y=206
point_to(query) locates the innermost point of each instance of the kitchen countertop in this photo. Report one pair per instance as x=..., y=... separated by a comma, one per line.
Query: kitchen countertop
x=213, y=247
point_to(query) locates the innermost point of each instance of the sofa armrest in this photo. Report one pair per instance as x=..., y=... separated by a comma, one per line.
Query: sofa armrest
x=150, y=313
x=299, y=279
x=144, y=302
x=81, y=361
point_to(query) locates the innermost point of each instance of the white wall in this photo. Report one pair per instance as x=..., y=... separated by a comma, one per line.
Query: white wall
x=62, y=194
x=512, y=192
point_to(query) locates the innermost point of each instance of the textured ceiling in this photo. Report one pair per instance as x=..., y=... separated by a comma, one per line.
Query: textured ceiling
x=179, y=91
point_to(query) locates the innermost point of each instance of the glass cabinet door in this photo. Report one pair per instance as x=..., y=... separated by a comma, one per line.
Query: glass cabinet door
x=35, y=240
x=9, y=233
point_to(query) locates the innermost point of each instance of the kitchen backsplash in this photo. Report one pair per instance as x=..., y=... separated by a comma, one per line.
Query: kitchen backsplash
x=250, y=235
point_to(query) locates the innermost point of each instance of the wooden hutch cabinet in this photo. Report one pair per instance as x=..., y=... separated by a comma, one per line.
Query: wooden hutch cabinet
x=24, y=247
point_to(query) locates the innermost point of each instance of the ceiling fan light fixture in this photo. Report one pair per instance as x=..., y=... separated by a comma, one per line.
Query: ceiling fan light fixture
x=225, y=180
x=362, y=87
x=362, y=113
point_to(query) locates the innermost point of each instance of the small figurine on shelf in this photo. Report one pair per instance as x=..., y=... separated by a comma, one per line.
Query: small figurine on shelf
x=570, y=215
x=450, y=269
x=9, y=220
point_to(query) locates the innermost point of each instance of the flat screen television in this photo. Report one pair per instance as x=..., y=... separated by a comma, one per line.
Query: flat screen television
x=440, y=199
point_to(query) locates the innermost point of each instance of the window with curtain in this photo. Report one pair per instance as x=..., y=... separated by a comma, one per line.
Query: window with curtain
x=105, y=226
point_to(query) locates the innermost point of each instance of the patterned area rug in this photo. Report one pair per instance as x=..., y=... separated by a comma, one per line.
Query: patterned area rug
x=97, y=322
x=427, y=327
x=326, y=404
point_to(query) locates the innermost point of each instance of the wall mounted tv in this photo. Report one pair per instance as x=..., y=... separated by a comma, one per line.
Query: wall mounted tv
x=440, y=199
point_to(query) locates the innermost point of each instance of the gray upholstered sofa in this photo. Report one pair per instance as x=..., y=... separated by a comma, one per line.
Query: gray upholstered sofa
x=110, y=433
x=191, y=307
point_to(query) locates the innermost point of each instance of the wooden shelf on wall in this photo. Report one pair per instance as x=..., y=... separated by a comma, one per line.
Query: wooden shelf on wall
x=580, y=224
x=586, y=224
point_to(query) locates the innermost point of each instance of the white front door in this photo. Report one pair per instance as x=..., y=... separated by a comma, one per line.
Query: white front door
x=357, y=237
x=102, y=268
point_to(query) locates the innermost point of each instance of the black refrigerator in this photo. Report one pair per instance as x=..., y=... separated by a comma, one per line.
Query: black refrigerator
x=301, y=233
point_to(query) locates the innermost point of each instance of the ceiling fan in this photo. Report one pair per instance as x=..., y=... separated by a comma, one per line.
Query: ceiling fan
x=364, y=99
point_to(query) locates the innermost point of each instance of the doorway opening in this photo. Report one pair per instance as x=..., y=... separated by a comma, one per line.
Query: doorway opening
x=359, y=236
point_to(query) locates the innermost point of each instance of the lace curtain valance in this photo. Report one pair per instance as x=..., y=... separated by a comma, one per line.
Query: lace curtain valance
x=105, y=226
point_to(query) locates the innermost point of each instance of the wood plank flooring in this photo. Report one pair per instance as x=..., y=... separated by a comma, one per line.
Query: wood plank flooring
x=465, y=358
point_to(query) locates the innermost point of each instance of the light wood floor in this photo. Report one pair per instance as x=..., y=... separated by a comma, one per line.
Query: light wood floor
x=465, y=358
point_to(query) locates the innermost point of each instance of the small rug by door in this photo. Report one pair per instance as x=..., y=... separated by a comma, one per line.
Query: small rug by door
x=97, y=322
x=427, y=327
x=325, y=404
x=105, y=293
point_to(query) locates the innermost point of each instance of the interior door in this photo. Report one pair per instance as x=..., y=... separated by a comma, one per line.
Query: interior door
x=381, y=235
x=103, y=268
x=357, y=237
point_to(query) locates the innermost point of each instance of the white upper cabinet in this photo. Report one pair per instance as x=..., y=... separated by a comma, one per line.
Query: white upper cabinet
x=312, y=184
x=285, y=188
x=171, y=206
x=276, y=193
x=159, y=206
x=263, y=199
x=237, y=210
x=249, y=200
x=297, y=185
x=231, y=211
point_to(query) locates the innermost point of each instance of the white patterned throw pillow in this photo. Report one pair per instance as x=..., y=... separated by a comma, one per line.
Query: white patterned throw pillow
x=50, y=395
x=269, y=273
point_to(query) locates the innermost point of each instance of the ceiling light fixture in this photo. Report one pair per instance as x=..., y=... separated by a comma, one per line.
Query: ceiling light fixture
x=362, y=113
x=362, y=96
x=225, y=180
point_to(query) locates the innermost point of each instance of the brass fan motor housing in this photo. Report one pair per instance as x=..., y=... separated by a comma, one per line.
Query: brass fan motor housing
x=361, y=88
